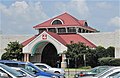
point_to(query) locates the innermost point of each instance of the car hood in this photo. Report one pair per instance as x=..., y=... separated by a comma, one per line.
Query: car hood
x=57, y=69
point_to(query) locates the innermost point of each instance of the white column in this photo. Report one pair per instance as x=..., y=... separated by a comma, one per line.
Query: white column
x=63, y=63
x=26, y=57
x=76, y=29
x=81, y=30
x=56, y=30
x=47, y=29
x=66, y=29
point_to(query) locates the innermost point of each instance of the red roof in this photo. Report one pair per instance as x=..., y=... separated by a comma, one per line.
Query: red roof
x=64, y=39
x=57, y=37
x=67, y=19
x=29, y=40
x=75, y=38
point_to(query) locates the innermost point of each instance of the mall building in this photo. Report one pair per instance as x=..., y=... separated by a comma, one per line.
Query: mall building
x=49, y=44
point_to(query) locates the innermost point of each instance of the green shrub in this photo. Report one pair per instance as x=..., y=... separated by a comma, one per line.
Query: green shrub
x=115, y=62
x=85, y=67
x=104, y=60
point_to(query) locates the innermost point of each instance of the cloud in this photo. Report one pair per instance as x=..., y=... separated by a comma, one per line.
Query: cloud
x=114, y=22
x=21, y=16
x=79, y=6
x=75, y=7
x=103, y=5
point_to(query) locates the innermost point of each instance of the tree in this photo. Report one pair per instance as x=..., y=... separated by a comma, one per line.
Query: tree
x=13, y=51
x=75, y=53
x=91, y=58
x=100, y=52
x=110, y=51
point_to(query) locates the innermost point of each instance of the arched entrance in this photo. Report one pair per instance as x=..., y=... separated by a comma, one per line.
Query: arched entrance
x=49, y=55
x=45, y=52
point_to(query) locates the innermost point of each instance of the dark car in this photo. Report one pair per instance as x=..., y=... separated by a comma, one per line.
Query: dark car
x=91, y=72
x=30, y=67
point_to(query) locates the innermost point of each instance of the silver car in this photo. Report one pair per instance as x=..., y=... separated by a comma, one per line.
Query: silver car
x=113, y=72
x=7, y=72
x=50, y=69
x=27, y=73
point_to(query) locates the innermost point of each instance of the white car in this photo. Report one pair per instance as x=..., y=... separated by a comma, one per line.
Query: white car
x=113, y=72
x=7, y=72
x=50, y=69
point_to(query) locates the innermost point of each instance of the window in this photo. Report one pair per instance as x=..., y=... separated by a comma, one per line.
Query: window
x=41, y=66
x=85, y=24
x=71, y=30
x=79, y=30
x=83, y=31
x=57, y=21
x=52, y=30
x=41, y=30
x=114, y=75
x=1, y=72
x=12, y=64
x=31, y=69
x=61, y=30
x=12, y=71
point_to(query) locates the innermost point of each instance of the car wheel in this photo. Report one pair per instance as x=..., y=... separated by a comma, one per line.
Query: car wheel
x=57, y=72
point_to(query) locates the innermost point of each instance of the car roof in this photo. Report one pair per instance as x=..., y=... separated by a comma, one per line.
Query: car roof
x=112, y=68
x=41, y=63
x=12, y=61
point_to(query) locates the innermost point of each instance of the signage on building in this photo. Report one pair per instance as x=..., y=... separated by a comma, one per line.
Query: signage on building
x=44, y=36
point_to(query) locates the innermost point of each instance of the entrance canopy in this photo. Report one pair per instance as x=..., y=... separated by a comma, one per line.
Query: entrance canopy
x=39, y=47
x=41, y=40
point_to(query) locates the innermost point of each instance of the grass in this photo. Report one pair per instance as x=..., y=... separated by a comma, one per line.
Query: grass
x=80, y=68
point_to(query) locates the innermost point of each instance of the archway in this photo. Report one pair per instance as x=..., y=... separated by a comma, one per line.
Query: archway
x=49, y=55
x=44, y=52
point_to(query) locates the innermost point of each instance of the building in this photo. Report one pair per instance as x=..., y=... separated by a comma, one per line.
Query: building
x=49, y=44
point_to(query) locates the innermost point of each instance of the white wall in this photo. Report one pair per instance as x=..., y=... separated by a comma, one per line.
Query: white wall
x=104, y=39
x=5, y=39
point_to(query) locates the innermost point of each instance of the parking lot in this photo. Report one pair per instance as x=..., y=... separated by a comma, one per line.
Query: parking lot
x=41, y=70
x=69, y=73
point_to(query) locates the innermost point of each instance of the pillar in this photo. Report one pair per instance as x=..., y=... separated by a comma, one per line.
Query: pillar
x=56, y=30
x=26, y=57
x=66, y=29
x=63, y=63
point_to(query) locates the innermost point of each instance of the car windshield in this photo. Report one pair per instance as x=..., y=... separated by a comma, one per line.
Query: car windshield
x=28, y=72
x=32, y=67
x=101, y=73
x=12, y=71
x=99, y=69
x=106, y=72
x=48, y=66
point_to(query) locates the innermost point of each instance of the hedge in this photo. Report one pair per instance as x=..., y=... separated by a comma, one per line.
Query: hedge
x=109, y=61
x=104, y=60
x=115, y=62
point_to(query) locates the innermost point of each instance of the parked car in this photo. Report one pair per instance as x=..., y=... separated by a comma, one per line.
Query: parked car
x=30, y=67
x=27, y=73
x=49, y=68
x=91, y=72
x=113, y=72
x=7, y=72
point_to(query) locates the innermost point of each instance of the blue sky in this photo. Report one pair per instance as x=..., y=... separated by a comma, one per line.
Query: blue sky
x=19, y=16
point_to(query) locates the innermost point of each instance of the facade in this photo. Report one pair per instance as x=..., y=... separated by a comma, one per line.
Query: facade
x=53, y=35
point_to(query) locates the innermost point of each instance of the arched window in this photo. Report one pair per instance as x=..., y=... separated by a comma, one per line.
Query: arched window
x=57, y=21
x=85, y=24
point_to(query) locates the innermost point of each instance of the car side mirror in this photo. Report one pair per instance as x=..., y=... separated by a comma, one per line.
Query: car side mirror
x=3, y=75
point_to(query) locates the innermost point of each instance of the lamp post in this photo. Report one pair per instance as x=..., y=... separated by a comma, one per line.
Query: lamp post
x=84, y=57
x=68, y=62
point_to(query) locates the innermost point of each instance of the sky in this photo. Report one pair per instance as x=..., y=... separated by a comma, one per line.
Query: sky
x=19, y=16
